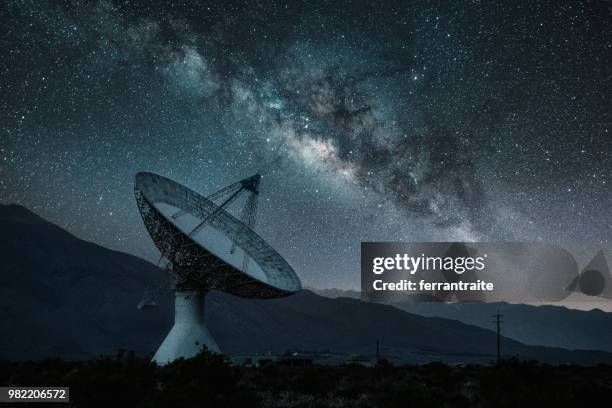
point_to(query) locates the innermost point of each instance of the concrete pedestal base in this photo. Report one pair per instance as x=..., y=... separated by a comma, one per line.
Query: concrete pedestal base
x=189, y=334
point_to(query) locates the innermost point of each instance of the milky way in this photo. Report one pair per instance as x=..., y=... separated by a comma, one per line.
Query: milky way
x=486, y=120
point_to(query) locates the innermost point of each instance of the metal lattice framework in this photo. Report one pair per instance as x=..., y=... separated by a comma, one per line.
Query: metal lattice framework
x=194, y=265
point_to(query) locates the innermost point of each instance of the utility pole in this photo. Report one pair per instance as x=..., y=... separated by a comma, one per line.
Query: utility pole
x=498, y=321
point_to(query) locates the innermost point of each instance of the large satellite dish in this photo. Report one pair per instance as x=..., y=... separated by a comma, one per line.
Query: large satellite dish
x=208, y=249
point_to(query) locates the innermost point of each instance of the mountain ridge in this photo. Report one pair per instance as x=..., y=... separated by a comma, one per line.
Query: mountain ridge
x=551, y=325
x=62, y=296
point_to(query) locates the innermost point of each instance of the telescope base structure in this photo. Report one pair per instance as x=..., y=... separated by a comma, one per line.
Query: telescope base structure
x=189, y=334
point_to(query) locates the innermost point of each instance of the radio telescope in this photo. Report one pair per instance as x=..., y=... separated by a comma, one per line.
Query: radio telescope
x=208, y=249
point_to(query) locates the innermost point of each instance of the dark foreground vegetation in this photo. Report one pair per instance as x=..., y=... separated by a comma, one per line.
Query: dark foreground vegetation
x=208, y=381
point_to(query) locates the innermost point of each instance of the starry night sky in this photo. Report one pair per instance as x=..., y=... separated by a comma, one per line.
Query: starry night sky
x=407, y=120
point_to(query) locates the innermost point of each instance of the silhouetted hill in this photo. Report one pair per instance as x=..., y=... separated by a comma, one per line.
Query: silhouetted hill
x=308, y=321
x=62, y=296
x=549, y=325
x=554, y=326
x=334, y=293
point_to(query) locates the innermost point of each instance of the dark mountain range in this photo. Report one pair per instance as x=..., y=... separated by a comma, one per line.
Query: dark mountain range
x=554, y=326
x=548, y=325
x=334, y=293
x=61, y=296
